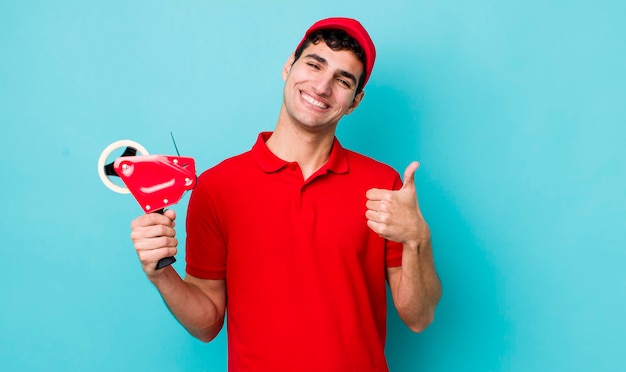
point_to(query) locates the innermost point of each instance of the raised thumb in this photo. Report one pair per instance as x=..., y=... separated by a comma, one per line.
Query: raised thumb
x=409, y=175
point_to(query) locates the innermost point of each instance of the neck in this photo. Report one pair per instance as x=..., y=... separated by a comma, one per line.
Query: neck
x=293, y=143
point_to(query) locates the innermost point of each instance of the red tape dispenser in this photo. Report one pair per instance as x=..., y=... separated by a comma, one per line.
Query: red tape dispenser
x=156, y=181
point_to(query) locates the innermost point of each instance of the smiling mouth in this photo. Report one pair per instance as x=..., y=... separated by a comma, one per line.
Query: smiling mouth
x=307, y=98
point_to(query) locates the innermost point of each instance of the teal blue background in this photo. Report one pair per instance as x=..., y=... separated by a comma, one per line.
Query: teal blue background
x=516, y=110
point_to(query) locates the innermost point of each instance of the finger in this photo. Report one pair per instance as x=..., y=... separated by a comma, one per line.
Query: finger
x=151, y=219
x=378, y=216
x=377, y=227
x=151, y=257
x=152, y=231
x=166, y=218
x=377, y=194
x=377, y=205
x=372, y=216
x=171, y=214
x=373, y=225
x=409, y=175
x=158, y=230
x=159, y=242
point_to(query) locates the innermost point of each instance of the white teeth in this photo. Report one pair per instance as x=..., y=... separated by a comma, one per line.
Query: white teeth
x=314, y=102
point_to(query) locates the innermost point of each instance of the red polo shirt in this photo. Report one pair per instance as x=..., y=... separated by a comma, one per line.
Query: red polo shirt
x=305, y=276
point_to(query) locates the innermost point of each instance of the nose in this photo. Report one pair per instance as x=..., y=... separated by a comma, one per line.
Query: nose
x=322, y=84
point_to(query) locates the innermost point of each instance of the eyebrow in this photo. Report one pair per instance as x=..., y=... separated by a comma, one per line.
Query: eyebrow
x=323, y=61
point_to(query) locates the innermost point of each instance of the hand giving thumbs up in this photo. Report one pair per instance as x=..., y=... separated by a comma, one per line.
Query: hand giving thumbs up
x=395, y=215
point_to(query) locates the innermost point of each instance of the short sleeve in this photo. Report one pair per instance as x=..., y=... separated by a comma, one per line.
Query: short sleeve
x=205, y=244
x=393, y=255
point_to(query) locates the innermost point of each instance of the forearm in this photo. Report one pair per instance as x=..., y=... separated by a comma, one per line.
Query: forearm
x=193, y=309
x=418, y=288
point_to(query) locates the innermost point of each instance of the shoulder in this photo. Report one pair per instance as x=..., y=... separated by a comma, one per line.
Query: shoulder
x=359, y=161
x=215, y=184
x=367, y=170
x=219, y=180
x=228, y=168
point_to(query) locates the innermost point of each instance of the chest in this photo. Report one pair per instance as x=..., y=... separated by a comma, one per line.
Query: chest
x=325, y=209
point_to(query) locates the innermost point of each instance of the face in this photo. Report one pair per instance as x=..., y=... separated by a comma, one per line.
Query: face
x=320, y=86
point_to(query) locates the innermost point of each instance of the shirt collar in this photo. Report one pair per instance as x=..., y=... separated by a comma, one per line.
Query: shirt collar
x=337, y=162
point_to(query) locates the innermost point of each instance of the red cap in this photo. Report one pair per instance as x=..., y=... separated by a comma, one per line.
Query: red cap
x=353, y=28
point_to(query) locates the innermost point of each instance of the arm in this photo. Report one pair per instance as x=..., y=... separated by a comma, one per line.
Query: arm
x=198, y=304
x=415, y=285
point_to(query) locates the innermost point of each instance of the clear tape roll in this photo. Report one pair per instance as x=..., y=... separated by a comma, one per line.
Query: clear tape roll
x=103, y=158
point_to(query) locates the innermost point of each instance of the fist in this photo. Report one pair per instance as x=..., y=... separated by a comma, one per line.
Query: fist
x=154, y=237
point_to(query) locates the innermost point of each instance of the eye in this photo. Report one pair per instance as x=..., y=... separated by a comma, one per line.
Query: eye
x=313, y=65
x=345, y=83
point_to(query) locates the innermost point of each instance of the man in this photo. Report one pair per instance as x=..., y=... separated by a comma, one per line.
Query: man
x=297, y=237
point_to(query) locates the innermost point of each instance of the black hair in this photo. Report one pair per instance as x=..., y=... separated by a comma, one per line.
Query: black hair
x=336, y=40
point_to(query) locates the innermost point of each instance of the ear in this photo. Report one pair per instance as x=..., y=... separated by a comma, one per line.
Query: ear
x=355, y=102
x=287, y=66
